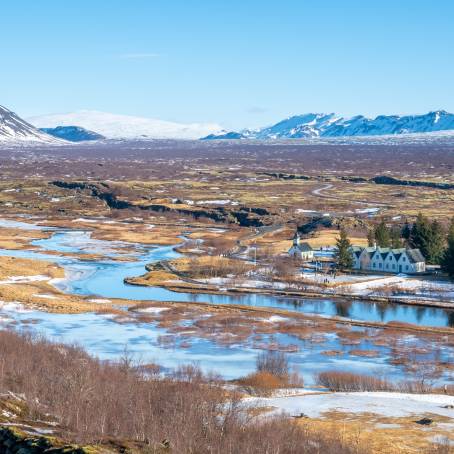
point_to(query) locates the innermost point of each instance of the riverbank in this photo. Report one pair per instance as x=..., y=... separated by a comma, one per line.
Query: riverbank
x=162, y=275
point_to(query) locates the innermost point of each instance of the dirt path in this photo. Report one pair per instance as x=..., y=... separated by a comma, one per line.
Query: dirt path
x=318, y=192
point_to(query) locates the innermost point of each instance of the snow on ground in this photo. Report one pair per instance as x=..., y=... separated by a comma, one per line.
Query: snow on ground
x=246, y=283
x=214, y=202
x=7, y=223
x=153, y=310
x=368, y=284
x=46, y=296
x=361, y=287
x=275, y=319
x=367, y=210
x=84, y=220
x=314, y=404
x=300, y=210
x=14, y=306
x=24, y=279
x=415, y=285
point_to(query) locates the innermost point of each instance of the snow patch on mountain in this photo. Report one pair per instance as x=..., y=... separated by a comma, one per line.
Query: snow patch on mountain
x=114, y=126
x=314, y=125
x=14, y=129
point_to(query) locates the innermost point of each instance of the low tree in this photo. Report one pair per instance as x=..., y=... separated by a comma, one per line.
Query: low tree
x=429, y=238
x=381, y=234
x=395, y=237
x=370, y=238
x=448, y=257
x=343, y=256
x=420, y=233
x=436, y=243
x=406, y=231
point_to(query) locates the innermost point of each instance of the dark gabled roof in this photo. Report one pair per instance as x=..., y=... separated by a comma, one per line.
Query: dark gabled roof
x=415, y=255
x=304, y=247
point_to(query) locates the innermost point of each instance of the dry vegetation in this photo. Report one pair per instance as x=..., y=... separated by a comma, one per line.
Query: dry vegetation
x=94, y=402
x=272, y=372
x=350, y=382
x=188, y=177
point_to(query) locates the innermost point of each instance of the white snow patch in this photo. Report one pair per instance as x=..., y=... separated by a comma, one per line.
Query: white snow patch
x=24, y=279
x=381, y=403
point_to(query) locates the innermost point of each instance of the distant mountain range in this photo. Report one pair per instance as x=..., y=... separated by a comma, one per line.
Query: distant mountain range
x=72, y=133
x=14, y=129
x=114, y=126
x=330, y=125
x=92, y=125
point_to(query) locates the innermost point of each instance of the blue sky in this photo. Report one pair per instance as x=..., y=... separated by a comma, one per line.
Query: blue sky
x=238, y=63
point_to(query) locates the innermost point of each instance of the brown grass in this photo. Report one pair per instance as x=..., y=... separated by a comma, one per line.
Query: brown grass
x=346, y=382
x=96, y=401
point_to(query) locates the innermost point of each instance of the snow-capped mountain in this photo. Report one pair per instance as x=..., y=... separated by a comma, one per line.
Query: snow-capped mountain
x=329, y=125
x=114, y=126
x=73, y=133
x=14, y=129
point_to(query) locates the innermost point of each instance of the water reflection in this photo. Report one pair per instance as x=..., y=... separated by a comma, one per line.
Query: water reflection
x=451, y=319
x=343, y=308
x=106, y=279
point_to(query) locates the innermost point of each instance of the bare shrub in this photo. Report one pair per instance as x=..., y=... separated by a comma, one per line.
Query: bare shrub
x=272, y=372
x=261, y=383
x=273, y=362
x=346, y=382
x=96, y=401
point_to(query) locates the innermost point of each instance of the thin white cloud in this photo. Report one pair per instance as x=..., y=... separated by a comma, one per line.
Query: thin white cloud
x=136, y=56
x=256, y=110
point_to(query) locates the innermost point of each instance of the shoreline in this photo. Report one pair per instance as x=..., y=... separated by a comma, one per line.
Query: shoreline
x=291, y=314
x=191, y=287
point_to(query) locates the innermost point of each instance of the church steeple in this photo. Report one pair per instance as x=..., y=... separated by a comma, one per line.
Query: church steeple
x=296, y=239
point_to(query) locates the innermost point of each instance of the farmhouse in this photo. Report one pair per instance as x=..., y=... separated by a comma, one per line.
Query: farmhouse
x=300, y=250
x=388, y=260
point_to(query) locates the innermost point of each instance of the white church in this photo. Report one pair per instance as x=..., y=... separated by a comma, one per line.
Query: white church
x=299, y=250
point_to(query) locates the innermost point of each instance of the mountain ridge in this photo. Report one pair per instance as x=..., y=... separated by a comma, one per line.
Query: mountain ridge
x=73, y=133
x=13, y=129
x=312, y=125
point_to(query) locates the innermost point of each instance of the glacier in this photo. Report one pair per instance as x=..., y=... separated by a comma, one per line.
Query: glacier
x=113, y=126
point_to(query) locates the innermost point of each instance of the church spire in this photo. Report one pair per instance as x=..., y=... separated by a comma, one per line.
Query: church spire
x=296, y=238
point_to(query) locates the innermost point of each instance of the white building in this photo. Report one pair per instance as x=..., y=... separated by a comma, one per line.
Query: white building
x=302, y=251
x=388, y=260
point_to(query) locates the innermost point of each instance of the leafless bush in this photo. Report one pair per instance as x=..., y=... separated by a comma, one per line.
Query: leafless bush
x=273, y=362
x=272, y=372
x=99, y=401
x=345, y=382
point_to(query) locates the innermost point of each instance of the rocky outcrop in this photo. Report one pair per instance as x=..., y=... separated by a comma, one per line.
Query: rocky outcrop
x=13, y=441
x=383, y=179
x=286, y=176
x=243, y=216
